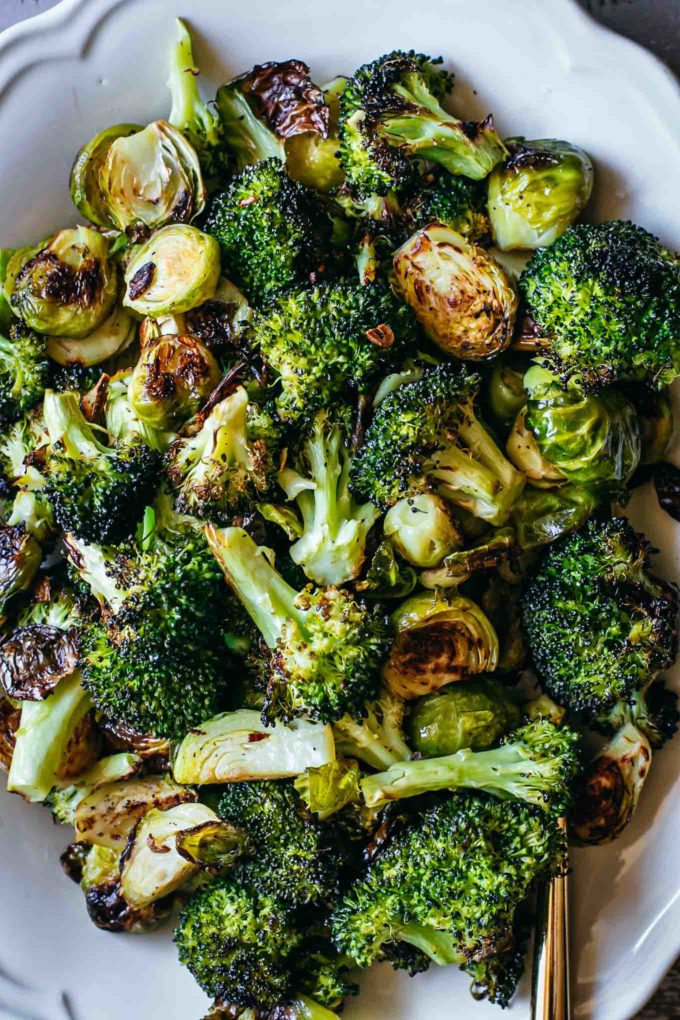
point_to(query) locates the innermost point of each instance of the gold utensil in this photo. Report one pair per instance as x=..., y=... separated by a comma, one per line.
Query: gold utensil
x=550, y=997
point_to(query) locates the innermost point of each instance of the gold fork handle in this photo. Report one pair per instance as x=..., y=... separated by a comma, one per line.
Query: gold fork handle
x=550, y=998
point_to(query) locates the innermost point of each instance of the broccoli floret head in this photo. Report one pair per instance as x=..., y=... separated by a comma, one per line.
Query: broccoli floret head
x=293, y=859
x=225, y=460
x=599, y=624
x=326, y=645
x=237, y=944
x=329, y=342
x=652, y=710
x=156, y=659
x=271, y=233
x=450, y=883
x=457, y=202
x=74, y=377
x=96, y=490
x=606, y=300
x=390, y=112
x=424, y=437
x=24, y=371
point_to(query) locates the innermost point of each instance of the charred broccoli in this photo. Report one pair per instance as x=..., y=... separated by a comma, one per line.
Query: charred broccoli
x=605, y=298
x=24, y=371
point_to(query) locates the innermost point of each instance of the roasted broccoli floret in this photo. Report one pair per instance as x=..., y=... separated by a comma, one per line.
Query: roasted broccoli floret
x=237, y=943
x=326, y=646
x=73, y=377
x=598, y=623
x=331, y=547
x=330, y=342
x=457, y=202
x=391, y=112
x=605, y=298
x=450, y=883
x=156, y=660
x=24, y=371
x=225, y=460
x=538, y=763
x=425, y=436
x=376, y=738
x=293, y=859
x=271, y=233
x=96, y=490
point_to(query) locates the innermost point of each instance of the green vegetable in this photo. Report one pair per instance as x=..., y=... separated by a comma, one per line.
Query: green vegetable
x=329, y=788
x=422, y=529
x=541, y=516
x=174, y=271
x=24, y=371
x=472, y=714
x=84, y=182
x=377, y=736
x=172, y=380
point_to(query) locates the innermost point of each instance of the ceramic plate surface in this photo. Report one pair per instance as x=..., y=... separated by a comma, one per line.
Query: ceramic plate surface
x=544, y=69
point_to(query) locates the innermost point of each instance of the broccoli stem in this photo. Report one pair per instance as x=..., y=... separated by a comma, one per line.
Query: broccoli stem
x=304, y=1008
x=506, y=772
x=379, y=744
x=477, y=475
x=42, y=738
x=439, y=946
x=66, y=424
x=187, y=105
x=268, y=599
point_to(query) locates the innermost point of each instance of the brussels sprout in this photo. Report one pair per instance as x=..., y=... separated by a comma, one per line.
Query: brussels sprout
x=66, y=286
x=312, y=157
x=422, y=529
x=524, y=452
x=107, y=816
x=112, y=337
x=611, y=788
x=151, y=178
x=387, y=577
x=654, y=411
x=537, y=192
x=10, y=718
x=174, y=271
x=492, y=550
x=439, y=640
x=65, y=797
x=84, y=183
x=505, y=393
x=156, y=860
x=329, y=788
x=591, y=439
x=542, y=515
x=462, y=298
x=237, y=746
x=172, y=380
x=473, y=713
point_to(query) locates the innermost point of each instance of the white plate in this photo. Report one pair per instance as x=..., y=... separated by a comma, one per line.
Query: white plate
x=544, y=69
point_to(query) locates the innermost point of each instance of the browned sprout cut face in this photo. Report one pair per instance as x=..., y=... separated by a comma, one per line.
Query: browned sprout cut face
x=10, y=717
x=34, y=659
x=172, y=380
x=461, y=296
x=283, y=95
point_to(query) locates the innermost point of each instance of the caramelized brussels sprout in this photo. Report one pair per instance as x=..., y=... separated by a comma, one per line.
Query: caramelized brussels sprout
x=439, y=640
x=461, y=296
x=423, y=529
x=473, y=713
x=591, y=439
x=65, y=797
x=172, y=380
x=522, y=449
x=167, y=847
x=312, y=157
x=540, y=516
x=107, y=816
x=84, y=183
x=329, y=788
x=66, y=286
x=611, y=788
x=106, y=906
x=174, y=271
x=151, y=178
x=505, y=393
x=491, y=550
x=537, y=192
x=654, y=411
x=237, y=746
x=112, y=337
x=10, y=718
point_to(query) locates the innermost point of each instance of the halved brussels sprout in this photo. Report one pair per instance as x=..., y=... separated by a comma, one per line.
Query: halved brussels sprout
x=590, y=439
x=112, y=337
x=462, y=298
x=312, y=158
x=64, y=798
x=66, y=286
x=541, y=516
x=505, y=394
x=174, y=271
x=107, y=908
x=10, y=718
x=329, y=788
x=168, y=847
x=473, y=713
x=491, y=551
x=220, y=321
x=439, y=640
x=84, y=183
x=151, y=178
x=525, y=453
x=108, y=815
x=654, y=409
x=538, y=192
x=172, y=380
x=423, y=529
x=237, y=746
